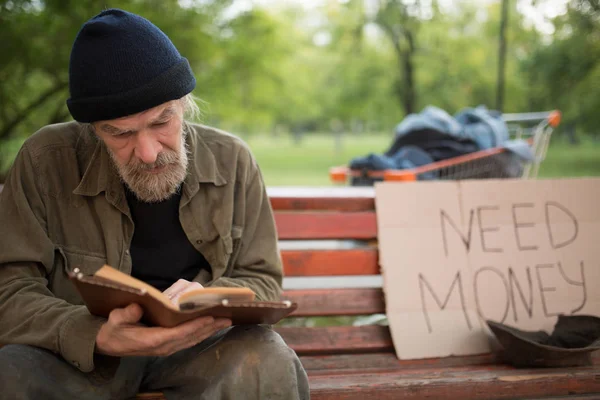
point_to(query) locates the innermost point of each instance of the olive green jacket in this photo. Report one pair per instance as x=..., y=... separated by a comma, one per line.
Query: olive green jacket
x=63, y=206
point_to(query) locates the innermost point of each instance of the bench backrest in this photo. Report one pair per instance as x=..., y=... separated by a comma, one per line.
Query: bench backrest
x=318, y=216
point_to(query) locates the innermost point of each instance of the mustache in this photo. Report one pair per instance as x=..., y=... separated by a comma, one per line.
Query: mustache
x=149, y=187
x=165, y=157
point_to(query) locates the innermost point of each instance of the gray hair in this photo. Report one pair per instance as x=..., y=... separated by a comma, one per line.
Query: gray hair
x=191, y=109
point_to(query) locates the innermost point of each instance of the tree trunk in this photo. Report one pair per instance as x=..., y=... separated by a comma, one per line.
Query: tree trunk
x=405, y=89
x=502, y=57
x=410, y=96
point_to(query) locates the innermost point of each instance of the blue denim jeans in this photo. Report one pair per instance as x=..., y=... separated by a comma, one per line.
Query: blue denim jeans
x=242, y=362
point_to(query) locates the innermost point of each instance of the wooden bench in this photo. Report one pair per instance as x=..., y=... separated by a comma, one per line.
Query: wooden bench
x=358, y=362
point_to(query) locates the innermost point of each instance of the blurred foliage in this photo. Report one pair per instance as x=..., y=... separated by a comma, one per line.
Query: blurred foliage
x=567, y=70
x=345, y=66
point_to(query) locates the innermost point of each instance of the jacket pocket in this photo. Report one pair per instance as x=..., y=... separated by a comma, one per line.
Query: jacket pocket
x=234, y=245
x=67, y=260
x=88, y=263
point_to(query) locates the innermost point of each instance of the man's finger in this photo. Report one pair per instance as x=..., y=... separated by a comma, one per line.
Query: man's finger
x=199, y=335
x=154, y=340
x=187, y=329
x=207, y=331
x=169, y=340
x=176, y=288
x=165, y=341
x=190, y=286
x=128, y=315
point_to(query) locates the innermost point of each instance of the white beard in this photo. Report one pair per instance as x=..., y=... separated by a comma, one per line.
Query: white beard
x=159, y=186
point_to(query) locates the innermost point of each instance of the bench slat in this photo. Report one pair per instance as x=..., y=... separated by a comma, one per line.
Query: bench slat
x=328, y=302
x=326, y=225
x=330, y=262
x=485, y=382
x=379, y=362
x=337, y=339
x=326, y=203
x=367, y=363
x=322, y=198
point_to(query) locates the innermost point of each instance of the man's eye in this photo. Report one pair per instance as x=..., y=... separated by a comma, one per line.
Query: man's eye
x=156, y=124
x=123, y=134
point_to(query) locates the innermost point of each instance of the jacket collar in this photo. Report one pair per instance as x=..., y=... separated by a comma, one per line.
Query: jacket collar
x=101, y=175
x=203, y=166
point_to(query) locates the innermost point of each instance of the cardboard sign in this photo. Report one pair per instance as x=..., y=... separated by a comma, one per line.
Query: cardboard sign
x=455, y=254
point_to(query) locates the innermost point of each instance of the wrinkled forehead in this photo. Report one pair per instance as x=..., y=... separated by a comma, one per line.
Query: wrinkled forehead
x=156, y=115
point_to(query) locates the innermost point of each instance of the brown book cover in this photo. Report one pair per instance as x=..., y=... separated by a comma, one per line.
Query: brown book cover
x=109, y=288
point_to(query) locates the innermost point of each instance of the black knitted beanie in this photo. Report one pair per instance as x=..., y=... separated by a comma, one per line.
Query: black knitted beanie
x=122, y=64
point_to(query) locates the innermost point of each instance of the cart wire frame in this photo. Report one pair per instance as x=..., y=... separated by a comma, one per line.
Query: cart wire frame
x=498, y=162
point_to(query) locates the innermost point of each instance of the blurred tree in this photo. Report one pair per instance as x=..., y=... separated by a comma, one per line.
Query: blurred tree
x=400, y=21
x=565, y=73
x=359, y=74
x=245, y=83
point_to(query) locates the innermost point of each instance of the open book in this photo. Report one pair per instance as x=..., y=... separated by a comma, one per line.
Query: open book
x=109, y=288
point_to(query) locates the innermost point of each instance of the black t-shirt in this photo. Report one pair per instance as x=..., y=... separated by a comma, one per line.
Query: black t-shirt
x=161, y=252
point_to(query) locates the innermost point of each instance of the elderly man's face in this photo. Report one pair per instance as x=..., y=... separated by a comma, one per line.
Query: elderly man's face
x=148, y=150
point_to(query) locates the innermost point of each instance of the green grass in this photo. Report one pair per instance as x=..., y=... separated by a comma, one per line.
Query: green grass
x=564, y=160
x=285, y=163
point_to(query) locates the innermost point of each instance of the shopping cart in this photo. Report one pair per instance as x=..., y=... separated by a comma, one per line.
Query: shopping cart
x=535, y=128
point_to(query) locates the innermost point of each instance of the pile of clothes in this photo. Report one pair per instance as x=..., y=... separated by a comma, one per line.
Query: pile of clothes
x=435, y=135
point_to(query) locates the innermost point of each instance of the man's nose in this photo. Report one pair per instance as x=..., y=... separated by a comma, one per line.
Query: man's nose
x=147, y=148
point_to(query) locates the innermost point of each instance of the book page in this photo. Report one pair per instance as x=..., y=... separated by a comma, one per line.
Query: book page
x=114, y=275
x=216, y=295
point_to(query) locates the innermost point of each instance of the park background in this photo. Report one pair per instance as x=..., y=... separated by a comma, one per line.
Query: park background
x=312, y=84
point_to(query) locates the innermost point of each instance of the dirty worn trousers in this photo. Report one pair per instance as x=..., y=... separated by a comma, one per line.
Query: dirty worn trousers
x=242, y=362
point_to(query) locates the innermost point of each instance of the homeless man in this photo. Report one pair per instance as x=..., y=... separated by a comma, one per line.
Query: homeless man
x=130, y=183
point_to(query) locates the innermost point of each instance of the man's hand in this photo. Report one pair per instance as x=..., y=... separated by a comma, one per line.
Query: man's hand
x=180, y=287
x=122, y=335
